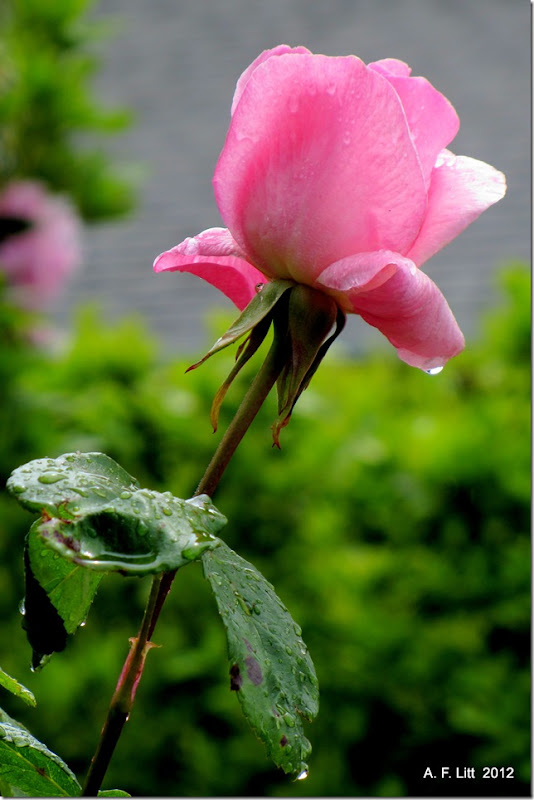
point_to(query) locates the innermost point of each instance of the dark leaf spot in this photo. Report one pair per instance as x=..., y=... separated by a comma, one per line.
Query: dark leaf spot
x=236, y=679
x=254, y=672
x=41, y=771
x=283, y=741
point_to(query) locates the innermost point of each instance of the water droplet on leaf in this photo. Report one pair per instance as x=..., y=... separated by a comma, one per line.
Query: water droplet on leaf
x=50, y=477
x=125, y=495
x=302, y=775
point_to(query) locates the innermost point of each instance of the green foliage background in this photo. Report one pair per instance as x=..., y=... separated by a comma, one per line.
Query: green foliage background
x=51, y=126
x=394, y=525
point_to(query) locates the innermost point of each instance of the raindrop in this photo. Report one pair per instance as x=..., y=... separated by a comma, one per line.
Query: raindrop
x=302, y=775
x=433, y=371
x=125, y=495
x=18, y=489
x=259, y=287
x=22, y=606
x=82, y=624
x=50, y=477
x=167, y=511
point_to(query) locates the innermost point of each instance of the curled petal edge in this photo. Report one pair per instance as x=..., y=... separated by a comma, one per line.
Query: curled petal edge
x=216, y=258
x=401, y=301
x=461, y=188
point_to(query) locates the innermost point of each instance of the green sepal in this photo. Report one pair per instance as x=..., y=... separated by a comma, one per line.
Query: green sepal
x=259, y=307
x=311, y=316
x=245, y=352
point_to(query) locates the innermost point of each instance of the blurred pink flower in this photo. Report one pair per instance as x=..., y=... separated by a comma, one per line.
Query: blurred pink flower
x=37, y=259
x=334, y=174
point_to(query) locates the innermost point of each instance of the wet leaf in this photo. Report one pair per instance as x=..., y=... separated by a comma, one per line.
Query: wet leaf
x=57, y=598
x=270, y=668
x=94, y=514
x=29, y=767
x=16, y=688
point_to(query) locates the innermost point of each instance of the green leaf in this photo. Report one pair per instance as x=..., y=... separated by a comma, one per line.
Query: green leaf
x=16, y=688
x=57, y=598
x=69, y=587
x=271, y=670
x=29, y=767
x=95, y=515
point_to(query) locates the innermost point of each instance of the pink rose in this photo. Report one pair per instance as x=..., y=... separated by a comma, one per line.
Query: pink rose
x=37, y=259
x=335, y=175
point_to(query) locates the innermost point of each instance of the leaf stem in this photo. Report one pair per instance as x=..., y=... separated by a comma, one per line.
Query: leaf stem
x=123, y=697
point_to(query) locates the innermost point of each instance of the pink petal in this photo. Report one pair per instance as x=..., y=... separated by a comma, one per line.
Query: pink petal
x=318, y=164
x=214, y=256
x=399, y=300
x=461, y=189
x=391, y=66
x=432, y=120
x=275, y=51
x=40, y=259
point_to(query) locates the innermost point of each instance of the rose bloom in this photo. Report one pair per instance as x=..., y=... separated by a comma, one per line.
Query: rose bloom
x=38, y=258
x=335, y=175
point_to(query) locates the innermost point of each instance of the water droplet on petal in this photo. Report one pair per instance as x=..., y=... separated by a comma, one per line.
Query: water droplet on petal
x=259, y=287
x=433, y=371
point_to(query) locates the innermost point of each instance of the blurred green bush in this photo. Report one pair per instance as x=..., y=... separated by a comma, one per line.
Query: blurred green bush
x=51, y=126
x=394, y=524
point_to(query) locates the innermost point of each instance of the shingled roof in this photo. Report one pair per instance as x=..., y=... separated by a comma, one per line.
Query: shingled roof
x=176, y=63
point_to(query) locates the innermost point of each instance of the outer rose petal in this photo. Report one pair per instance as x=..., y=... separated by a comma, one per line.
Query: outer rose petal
x=432, y=120
x=318, y=163
x=275, y=51
x=214, y=256
x=461, y=189
x=399, y=300
x=391, y=66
